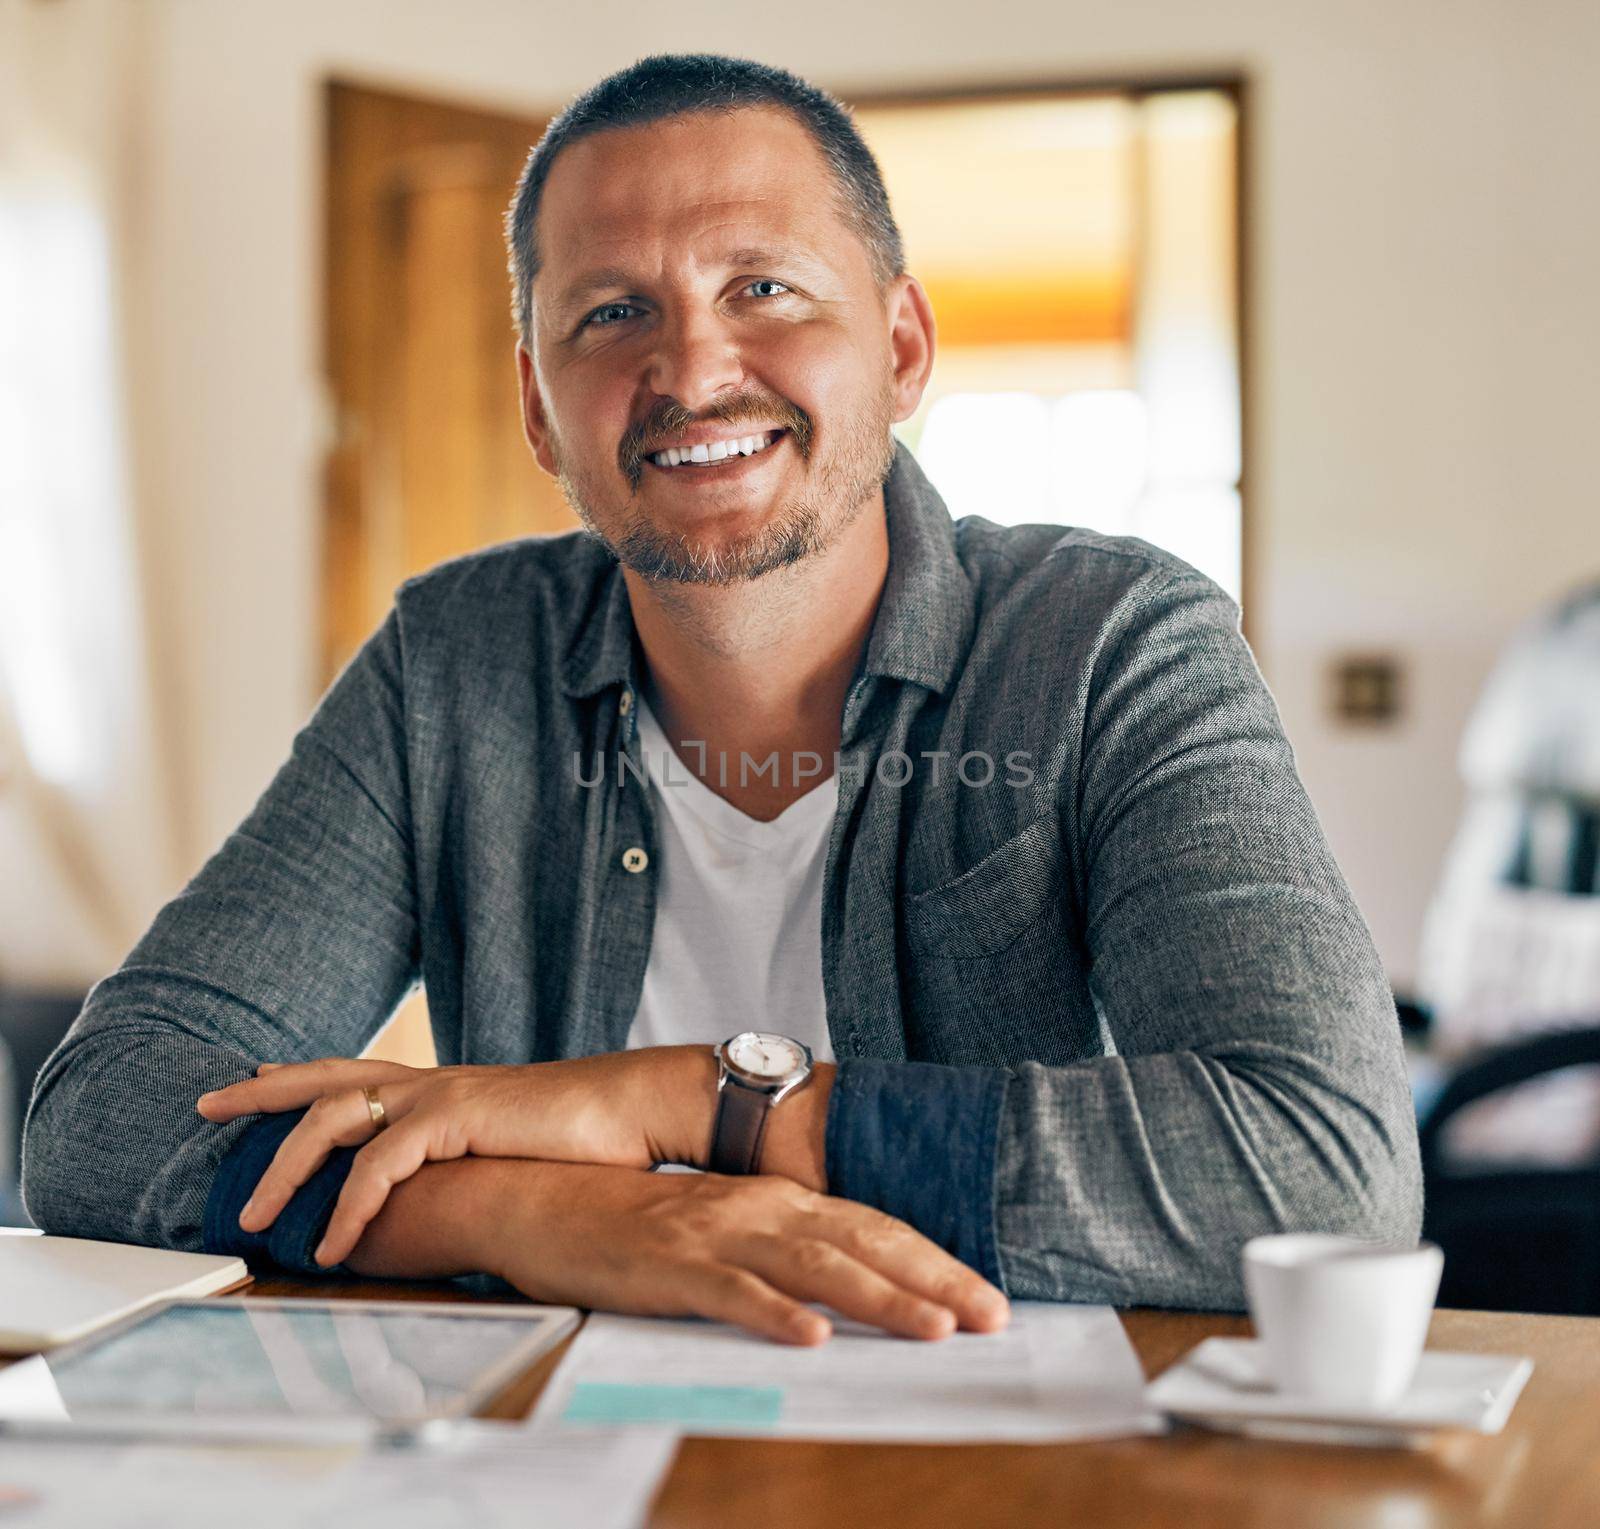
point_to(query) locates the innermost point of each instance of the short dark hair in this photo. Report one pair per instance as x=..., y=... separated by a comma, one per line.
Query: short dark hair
x=674, y=84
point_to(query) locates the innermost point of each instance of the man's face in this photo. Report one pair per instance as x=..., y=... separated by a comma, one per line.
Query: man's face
x=698, y=287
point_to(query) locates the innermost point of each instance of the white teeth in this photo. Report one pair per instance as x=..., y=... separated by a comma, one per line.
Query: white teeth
x=715, y=451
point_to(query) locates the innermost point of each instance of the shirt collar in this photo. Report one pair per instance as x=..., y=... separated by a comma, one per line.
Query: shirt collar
x=925, y=613
x=601, y=654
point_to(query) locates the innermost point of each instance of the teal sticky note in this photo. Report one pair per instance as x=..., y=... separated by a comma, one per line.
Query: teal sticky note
x=686, y=1406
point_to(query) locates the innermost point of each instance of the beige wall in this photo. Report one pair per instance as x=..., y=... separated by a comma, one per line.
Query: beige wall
x=1425, y=240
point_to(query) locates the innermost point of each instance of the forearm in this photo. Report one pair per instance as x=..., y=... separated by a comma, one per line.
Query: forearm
x=753, y=1251
x=1132, y=1180
x=448, y=1218
x=295, y=1191
x=795, y=1144
x=1137, y=1180
x=441, y=1221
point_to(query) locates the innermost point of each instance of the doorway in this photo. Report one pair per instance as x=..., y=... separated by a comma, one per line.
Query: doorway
x=428, y=460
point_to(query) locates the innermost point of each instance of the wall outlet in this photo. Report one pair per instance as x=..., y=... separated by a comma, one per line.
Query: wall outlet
x=1366, y=689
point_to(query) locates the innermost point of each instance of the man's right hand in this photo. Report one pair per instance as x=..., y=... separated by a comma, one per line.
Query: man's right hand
x=750, y=1251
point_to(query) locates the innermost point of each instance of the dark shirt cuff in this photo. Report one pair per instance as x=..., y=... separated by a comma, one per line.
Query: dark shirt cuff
x=919, y=1141
x=290, y=1241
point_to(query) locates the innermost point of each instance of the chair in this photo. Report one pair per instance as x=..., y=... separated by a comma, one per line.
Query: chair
x=31, y=1024
x=1511, y=942
x=1515, y=1238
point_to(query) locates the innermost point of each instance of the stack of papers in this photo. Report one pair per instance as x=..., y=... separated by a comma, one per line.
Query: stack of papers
x=603, y=1437
x=1056, y=1373
x=490, y=1476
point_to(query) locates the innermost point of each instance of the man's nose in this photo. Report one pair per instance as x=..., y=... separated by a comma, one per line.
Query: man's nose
x=695, y=358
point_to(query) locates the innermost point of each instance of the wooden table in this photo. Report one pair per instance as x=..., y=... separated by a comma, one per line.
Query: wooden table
x=1543, y=1470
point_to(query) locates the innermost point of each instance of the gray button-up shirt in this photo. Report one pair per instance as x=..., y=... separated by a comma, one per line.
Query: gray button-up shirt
x=1102, y=1003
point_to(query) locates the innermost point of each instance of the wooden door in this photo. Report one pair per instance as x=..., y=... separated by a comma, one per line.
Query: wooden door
x=428, y=460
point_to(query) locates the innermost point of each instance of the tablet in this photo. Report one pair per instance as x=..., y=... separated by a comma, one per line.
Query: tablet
x=300, y=1370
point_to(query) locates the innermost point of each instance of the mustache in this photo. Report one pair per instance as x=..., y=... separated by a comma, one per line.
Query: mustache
x=669, y=417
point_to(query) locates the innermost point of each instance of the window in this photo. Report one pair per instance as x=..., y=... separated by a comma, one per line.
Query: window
x=1081, y=254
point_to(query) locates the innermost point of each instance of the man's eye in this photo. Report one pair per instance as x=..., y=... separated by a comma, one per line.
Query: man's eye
x=764, y=282
x=609, y=314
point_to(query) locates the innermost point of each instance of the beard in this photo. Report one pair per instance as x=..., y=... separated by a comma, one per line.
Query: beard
x=842, y=481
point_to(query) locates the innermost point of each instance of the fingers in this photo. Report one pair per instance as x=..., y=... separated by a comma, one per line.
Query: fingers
x=389, y=1159
x=335, y=1120
x=814, y=1270
x=727, y=1294
x=294, y=1085
x=909, y=1261
x=805, y=1247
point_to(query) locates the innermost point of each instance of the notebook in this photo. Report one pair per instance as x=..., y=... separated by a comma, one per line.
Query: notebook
x=55, y=1289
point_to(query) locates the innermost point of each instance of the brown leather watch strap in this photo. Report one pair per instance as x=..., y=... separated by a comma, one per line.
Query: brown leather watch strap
x=740, y=1128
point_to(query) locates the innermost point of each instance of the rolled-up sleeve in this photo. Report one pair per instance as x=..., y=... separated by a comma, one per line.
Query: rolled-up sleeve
x=293, y=1237
x=919, y=1141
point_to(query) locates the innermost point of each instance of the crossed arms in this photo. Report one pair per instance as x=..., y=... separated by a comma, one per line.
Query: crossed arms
x=1253, y=1083
x=533, y=1173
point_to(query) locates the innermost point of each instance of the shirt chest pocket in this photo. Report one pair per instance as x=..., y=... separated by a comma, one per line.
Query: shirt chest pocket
x=986, y=909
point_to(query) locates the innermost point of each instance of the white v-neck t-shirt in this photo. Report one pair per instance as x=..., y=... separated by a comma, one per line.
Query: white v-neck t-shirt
x=738, y=932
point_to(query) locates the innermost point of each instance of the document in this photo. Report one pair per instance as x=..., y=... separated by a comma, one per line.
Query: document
x=60, y=1288
x=488, y=1476
x=1057, y=1372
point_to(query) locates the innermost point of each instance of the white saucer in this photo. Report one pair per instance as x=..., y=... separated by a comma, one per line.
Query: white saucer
x=1221, y=1383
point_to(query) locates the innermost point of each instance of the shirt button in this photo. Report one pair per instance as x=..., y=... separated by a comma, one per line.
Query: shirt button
x=634, y=860
x=625, y=702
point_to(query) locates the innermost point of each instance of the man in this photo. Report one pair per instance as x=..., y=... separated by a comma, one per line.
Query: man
x=1000, y=824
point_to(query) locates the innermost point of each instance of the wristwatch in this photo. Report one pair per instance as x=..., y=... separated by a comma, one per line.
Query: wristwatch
x=756, y=1072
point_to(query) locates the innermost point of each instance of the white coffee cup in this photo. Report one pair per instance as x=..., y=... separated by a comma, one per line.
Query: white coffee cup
x=1341, y=1320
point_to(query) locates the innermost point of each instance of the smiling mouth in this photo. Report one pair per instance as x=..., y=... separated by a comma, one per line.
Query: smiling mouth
x=714, y=453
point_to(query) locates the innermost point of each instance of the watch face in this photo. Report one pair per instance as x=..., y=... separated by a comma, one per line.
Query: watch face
x=770, y=1058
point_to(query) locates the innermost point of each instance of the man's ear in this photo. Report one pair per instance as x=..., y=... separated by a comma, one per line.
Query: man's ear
x=535, y=426
x=911, y=343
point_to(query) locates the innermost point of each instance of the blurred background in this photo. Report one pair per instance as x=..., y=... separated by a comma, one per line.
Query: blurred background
x=1304, y=292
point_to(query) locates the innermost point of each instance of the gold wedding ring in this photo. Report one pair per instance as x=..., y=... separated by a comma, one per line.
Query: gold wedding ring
x=380, y=1117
